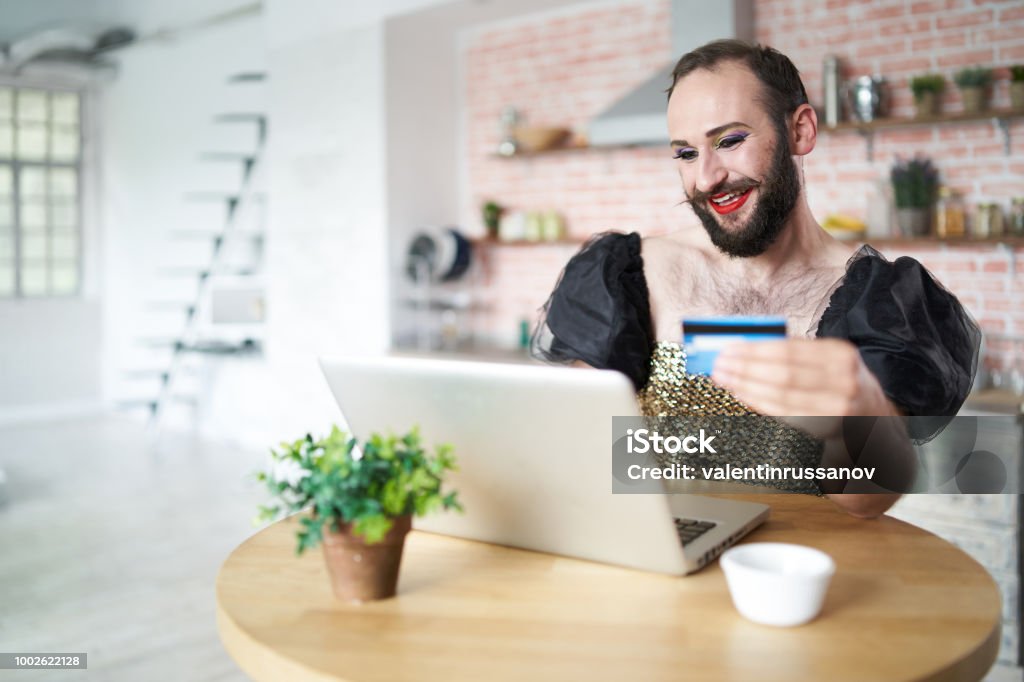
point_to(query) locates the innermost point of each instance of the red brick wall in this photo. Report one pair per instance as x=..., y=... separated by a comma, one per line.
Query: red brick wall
x=563, y=68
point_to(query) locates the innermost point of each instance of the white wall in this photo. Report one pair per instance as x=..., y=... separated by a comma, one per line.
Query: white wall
x=49, y=351
x=156, y=119
x=327, y=241
x=422, y=144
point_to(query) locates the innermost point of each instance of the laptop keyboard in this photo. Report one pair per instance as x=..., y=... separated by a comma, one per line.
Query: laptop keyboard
x=691, y=529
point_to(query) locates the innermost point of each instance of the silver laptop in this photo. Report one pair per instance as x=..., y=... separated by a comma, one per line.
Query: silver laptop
x=534, y=449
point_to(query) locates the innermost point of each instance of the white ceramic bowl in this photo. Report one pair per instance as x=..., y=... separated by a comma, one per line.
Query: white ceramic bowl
x=776, y=583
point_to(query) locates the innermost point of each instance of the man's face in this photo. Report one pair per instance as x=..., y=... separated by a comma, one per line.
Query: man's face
x=736, y=169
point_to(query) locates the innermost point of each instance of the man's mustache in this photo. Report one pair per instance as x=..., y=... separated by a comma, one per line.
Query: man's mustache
x=735, y=186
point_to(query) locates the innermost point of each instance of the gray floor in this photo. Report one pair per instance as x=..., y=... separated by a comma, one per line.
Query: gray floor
x=109, y=544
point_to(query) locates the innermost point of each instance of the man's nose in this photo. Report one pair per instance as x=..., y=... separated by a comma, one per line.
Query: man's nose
x=710, y=173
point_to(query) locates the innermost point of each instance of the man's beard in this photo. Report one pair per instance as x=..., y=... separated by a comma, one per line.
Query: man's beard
x=777, y=196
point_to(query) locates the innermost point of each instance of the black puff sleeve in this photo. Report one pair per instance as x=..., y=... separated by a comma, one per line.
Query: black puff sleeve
x=599, y=311
x=912, y=334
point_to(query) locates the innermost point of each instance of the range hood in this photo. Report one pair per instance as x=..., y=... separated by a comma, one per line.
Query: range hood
x=639, y=117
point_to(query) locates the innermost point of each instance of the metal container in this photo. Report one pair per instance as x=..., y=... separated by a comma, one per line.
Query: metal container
x=510, y=118
x=866, y=97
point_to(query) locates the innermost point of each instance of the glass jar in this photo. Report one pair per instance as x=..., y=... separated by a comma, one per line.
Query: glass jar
x=988, y=221
x=949, y=214
x=552, y=228
x=1015, y=226
x=534, y=227
x=996, y=220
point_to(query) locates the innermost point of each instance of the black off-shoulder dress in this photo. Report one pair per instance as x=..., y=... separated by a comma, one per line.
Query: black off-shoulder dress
x=911, y=332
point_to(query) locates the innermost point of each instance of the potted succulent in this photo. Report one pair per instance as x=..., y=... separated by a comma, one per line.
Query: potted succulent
x=973, y=83
x=1017, y=86
x=927, y=90
x=360, y=502
x=914, y=183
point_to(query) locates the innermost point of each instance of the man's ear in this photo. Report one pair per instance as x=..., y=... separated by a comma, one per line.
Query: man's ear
x=803, y=130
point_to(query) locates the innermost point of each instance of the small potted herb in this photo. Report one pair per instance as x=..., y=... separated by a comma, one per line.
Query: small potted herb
x=1017, y=86
x=360, y=502
x=492, y=218
x=927, y=90
x=914, y=183
x=973, y=83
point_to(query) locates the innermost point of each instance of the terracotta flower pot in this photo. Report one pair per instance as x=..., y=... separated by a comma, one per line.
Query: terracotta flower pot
x=974, y=99
x=361, y=572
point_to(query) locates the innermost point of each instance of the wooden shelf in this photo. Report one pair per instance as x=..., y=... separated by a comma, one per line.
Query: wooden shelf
x=999, y=117
x=1008, y=242
x=1013, y=242
x=441, y=304
x=565, y=241
x=891, y=123
x=581, y=148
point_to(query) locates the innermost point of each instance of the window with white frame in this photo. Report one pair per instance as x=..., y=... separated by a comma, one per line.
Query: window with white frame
x=40, y=181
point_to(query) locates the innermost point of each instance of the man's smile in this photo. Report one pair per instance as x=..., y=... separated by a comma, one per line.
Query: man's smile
x=727, y=202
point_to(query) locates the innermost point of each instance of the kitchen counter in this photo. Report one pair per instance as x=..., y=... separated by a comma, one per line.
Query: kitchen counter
x=989, y=400
x=470, y=354
x=995, y=400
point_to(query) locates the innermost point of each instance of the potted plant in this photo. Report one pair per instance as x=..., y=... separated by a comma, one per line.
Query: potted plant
x=914, y=183
x=492, y=218
x=927, y=89
x=973, y=83
x=1017, y=86
x=360, y=500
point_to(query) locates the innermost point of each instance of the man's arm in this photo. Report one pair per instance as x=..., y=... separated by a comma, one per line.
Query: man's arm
x=820, y=378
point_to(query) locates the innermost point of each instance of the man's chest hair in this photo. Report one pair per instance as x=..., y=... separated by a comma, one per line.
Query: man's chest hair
x=691, y=287
x=796, y=294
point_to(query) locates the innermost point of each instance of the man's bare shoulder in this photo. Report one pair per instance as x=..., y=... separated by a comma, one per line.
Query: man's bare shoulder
x=683, y=249
x=674, y=266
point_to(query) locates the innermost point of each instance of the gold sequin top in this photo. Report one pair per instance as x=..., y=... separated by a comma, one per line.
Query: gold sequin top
x=752, y=441
x=671, y=392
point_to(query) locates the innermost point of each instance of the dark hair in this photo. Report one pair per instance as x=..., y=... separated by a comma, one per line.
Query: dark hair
x=782, y=90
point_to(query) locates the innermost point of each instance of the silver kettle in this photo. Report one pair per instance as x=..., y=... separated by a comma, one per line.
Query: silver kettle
x=866, y=97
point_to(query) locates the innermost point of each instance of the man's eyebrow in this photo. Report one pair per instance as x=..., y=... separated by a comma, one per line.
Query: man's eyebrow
x=711, y=133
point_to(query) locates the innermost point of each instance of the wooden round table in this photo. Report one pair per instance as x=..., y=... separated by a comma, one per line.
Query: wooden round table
x=904, y=604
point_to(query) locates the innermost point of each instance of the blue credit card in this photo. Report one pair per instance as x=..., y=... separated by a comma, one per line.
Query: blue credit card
x=705, y=337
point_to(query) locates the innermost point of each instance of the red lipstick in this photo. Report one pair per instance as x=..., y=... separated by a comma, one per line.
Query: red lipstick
x=733, y=205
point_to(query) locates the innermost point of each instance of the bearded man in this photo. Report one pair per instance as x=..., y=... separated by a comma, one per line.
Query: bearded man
x=866, y=337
